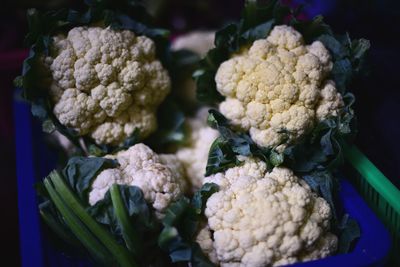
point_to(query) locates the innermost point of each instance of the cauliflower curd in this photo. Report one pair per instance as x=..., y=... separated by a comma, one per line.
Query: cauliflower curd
x=194, y=154
x=106, y=83
x=160, y=177
x=277, y=89
x=261, y=218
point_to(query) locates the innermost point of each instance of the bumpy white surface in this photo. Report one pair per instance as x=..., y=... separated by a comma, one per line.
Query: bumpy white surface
x=261, y=218
x=277, y=89
x=194, y=154
x=159, y=177
x=106, y=83
x=204, y=239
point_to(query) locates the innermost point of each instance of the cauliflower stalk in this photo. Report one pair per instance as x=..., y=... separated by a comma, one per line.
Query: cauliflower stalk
x=160, y=177
x=277, y=89
x=194, y=154
x=261, y=218
x=106, y=83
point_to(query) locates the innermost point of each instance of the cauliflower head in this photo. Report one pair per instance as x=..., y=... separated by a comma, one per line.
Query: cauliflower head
x=261, y=218
x=194, y=154
x=158, y=176
x=277, y=89
x=106, y=83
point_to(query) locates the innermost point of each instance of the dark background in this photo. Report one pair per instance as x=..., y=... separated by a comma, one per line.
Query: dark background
x=378, y=97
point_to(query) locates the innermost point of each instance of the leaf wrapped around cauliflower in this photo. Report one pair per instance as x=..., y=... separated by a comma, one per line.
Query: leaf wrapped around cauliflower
x=261, y=218
x=283, y=83
x=278, y=88
x=160, y=177
x=96, y=208
x=99, y=75
x=106, y=83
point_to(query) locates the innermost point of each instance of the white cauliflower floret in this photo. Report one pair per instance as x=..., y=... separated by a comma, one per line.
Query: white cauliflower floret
x=261, y=218
x=176, y=167
x=277, y=89
x=100, y=74
x=159, y=177
x=194, y=154
x=204, y=239
x=330, y=103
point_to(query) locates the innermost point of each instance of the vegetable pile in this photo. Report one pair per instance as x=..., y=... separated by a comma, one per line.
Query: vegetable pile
x=245, y=176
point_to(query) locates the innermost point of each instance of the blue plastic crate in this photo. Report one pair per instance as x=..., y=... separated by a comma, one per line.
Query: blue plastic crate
x=35, y=160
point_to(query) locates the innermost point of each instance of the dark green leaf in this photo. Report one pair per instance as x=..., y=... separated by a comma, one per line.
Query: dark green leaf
x=215, y=119
x=54, y=220
x=326, y=143
x=334, y=46
x=68, y=198
x=227, y=38
x=323, y=183
x=171, y=128
x=198, y=257
x=183, y=216
x=184, y=59
x=80, y=173
x=124, y=212
x=175, y=211
x=256, y=12
x=359, y=48
x=181, y=223
x=201, y=196
x=171, y=241
x=311, y=29
x=128, y=142
x=259, y=32
x=280, y=11
x=77, y=227
x=220, y=157
x=204, y=76
x=129, y=206
x=342, y=73
x=359, y=51
x=349, y=234
x=225, y=149
x=182, y=253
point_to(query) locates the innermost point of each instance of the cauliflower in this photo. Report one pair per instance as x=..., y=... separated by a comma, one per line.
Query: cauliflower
x=194, y=155
x=277, y=89
x=204, y=239
x=261, y=218
x=106, y=83
x=159, y=177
